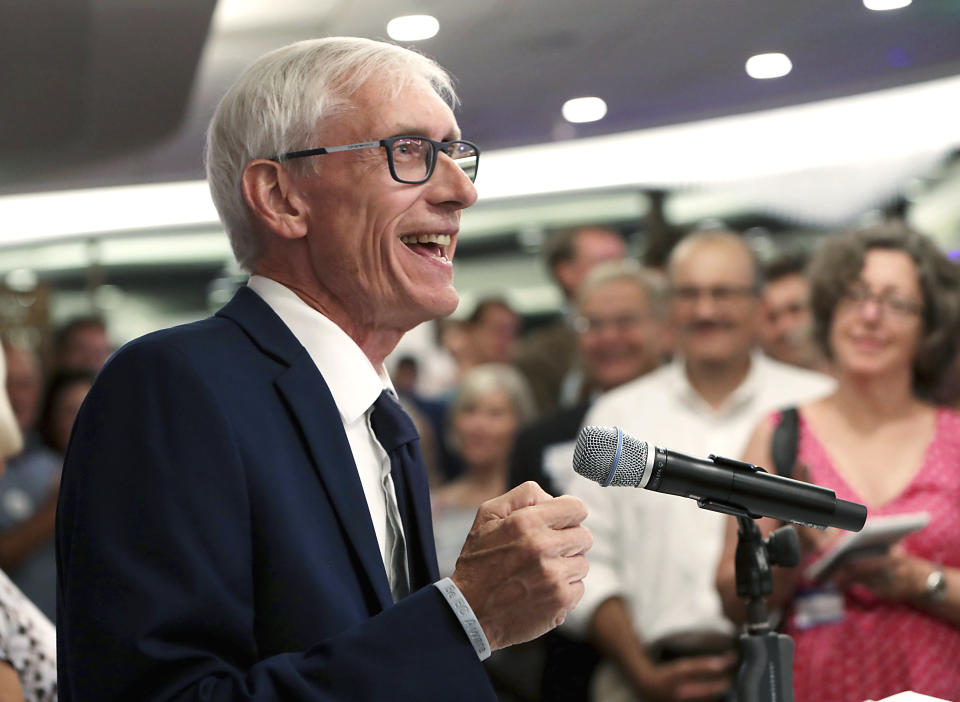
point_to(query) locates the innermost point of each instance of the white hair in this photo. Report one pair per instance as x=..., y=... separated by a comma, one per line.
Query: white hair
x=649, y=282
x=488, y=378
x=278, y=104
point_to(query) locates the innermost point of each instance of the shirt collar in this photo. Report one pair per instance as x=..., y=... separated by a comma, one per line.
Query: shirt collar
x=742, y=394
x=353, y=381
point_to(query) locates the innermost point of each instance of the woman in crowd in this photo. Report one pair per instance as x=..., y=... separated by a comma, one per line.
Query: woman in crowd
x=491, y=404
x=28, y=653
x=886, y=303
x=493, y=401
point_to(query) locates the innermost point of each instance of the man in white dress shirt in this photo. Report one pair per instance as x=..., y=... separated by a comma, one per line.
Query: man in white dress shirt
x=654, y=556
x=244, y=513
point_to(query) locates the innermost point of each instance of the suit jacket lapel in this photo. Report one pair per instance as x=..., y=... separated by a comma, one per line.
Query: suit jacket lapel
x=312, y=406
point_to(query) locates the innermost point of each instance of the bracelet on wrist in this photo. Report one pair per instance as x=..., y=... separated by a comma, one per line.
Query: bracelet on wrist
x=935, y=586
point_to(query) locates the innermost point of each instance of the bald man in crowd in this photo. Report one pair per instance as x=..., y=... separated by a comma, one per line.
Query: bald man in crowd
x=650, y=603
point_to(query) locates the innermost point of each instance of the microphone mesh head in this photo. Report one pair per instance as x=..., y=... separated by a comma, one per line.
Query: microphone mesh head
x=596, y=451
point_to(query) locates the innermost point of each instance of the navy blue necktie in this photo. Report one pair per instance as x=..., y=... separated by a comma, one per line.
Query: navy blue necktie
x=398, y=436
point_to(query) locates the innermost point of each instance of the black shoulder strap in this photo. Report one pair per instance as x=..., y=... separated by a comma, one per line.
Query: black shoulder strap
x=783, y=445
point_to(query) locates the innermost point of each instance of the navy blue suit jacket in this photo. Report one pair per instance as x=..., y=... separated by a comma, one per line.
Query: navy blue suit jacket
x=214, y=541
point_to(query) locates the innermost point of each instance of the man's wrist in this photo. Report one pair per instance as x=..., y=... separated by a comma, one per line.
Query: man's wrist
x=464, y=613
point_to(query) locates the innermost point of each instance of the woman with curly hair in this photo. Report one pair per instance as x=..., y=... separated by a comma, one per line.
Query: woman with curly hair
x=886, y=305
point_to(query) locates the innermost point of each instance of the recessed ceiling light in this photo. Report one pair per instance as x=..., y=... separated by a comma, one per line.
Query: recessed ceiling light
x=881, y=5
x=413, y=27
x=764, y=66
x=584, y=109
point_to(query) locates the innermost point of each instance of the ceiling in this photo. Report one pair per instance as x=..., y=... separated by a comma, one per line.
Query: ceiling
x=109, y=92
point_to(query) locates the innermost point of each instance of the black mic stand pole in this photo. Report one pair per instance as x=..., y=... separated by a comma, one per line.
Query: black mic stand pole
x=766, y=657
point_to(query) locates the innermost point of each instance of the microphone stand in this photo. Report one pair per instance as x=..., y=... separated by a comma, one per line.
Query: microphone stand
x=766, y=657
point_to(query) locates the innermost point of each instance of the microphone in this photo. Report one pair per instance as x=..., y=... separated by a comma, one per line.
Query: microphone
x=608, y=456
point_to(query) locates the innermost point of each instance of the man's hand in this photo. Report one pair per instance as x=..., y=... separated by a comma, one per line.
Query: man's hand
x=523, y=562
x=695, y=678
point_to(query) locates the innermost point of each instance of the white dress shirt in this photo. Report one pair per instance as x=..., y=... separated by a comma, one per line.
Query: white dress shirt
x=659, y=552
x=355, y=386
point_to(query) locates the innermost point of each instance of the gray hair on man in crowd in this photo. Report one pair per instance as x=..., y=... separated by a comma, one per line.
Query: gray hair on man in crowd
x=279, y=102
x=649, y=281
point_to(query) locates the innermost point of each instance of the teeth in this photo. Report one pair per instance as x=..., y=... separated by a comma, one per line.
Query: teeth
x=438, y=239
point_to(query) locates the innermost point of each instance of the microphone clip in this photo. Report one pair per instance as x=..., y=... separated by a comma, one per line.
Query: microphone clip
x=725, y=508
x=715, y=505
x=735, y=464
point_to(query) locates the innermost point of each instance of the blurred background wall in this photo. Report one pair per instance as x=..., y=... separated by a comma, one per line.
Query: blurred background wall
x=103, y=105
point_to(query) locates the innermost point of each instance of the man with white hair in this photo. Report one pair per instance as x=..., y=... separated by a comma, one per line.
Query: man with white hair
x=244, y=511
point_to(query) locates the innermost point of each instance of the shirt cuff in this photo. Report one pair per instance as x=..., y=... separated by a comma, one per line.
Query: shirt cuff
x=468, y=620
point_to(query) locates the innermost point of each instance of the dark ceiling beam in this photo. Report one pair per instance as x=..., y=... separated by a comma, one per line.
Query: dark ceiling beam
x=84, y=80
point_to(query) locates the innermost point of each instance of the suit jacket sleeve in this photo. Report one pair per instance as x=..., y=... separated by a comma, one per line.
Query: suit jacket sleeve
x=156, y=600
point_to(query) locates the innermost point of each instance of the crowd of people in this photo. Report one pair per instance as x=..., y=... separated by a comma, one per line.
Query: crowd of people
x=210, y=543
x=38, y=405
x=702, y=357
x=45, y=394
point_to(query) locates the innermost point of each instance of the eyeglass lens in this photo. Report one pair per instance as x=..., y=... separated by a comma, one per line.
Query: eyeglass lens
x=860, y=295
x=414, y=159
x=620, y=323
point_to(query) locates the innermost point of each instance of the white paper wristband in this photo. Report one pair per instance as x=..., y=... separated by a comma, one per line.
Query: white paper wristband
x=468, y=620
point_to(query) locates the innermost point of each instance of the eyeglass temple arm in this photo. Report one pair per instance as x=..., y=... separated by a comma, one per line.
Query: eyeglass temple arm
x=328, y=150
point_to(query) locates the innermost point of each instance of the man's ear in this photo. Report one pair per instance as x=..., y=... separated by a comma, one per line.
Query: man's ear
x=271, y=195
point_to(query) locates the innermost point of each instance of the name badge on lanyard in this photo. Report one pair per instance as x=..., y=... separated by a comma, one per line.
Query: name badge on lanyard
x=818, y=607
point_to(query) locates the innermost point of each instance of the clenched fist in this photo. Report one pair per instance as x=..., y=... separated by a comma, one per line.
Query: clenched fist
x=522, y=566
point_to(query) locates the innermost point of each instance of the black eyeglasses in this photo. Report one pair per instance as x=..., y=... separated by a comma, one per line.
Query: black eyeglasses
x=858, y=295
x=621, y=323
x=412, y=159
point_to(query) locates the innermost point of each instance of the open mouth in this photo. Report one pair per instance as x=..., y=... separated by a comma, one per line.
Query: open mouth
x=432, y=246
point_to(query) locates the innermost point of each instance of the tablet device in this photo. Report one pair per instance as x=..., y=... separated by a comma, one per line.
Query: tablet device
x=876, y=537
